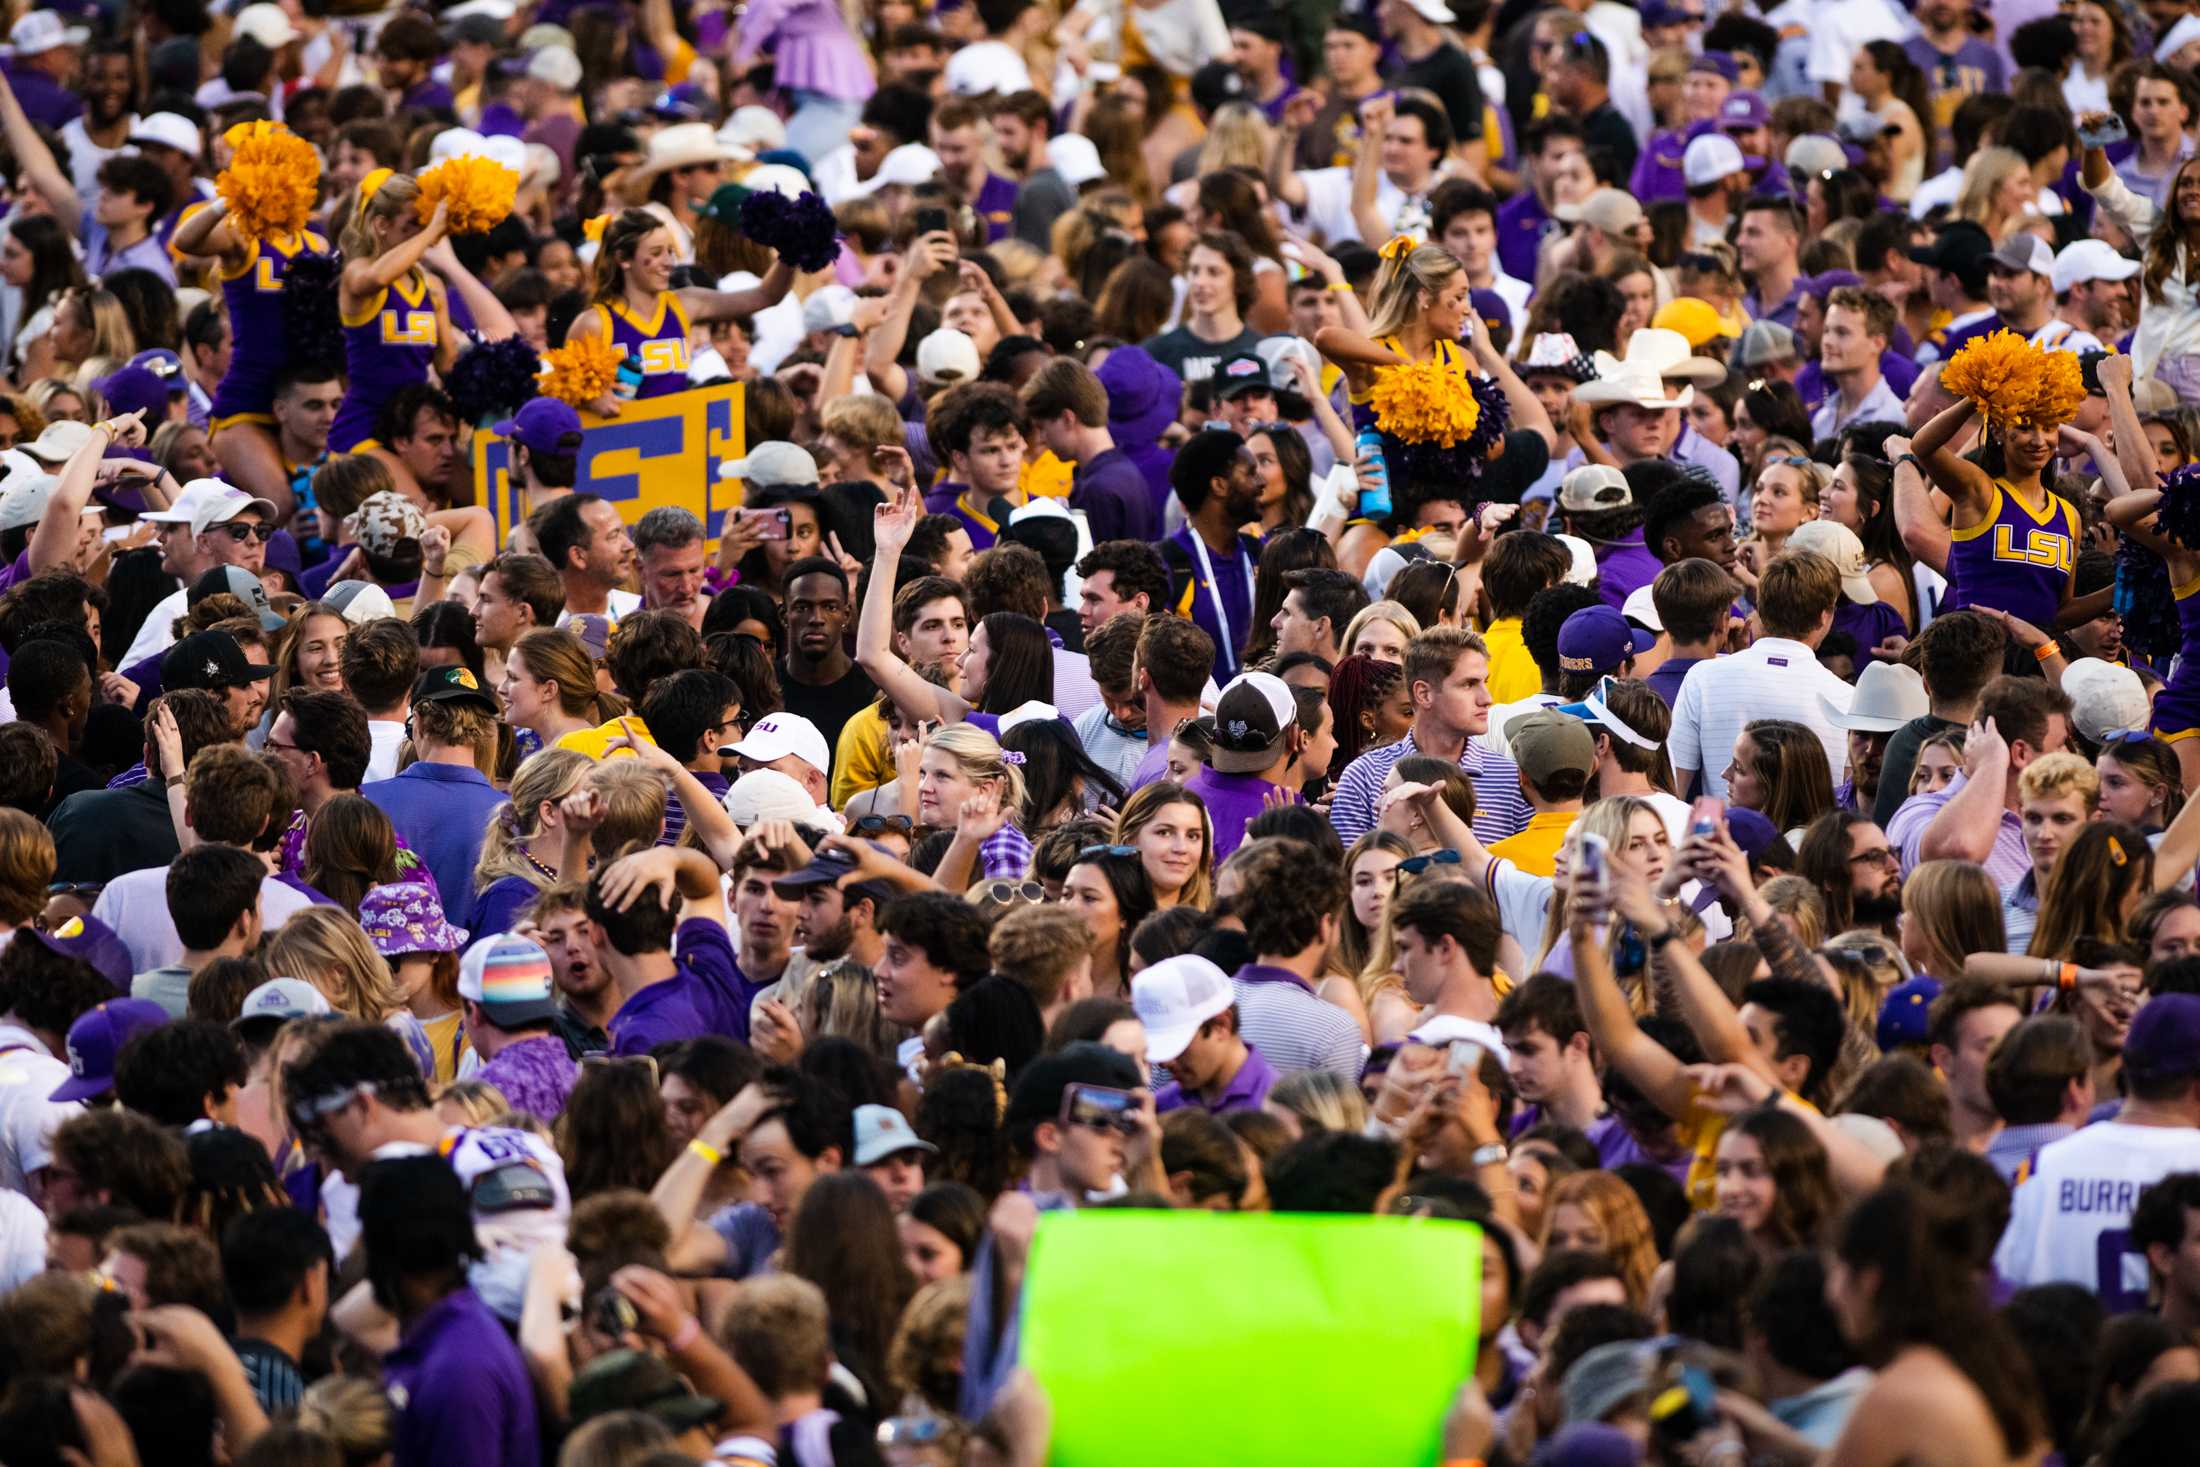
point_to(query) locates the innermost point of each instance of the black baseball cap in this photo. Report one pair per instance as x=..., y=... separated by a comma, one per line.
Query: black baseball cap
x=1241, y=374
x=1961, y=249
x=453, y=685
x=210, y=660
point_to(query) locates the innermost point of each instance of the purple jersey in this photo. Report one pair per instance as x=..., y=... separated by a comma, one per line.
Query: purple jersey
x=660, y=343
x=2014, y=560
x=388, y=346
x=1973, y=68
x=2177, y=706
x=996, y=206
x=254, y=297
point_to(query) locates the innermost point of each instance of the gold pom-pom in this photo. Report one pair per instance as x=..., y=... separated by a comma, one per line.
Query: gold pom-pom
x=272, y=182
x=582, y=370
x=479, y=192
x=1424, y=402
x=2016, y=384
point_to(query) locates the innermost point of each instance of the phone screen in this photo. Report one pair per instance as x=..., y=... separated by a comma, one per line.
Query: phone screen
x=931, y=221
x=1098, y=1105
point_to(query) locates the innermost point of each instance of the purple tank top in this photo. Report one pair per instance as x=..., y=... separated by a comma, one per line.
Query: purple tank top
x=660, y=343
x=387, y=348
x=2014, y=560
x=254, y=297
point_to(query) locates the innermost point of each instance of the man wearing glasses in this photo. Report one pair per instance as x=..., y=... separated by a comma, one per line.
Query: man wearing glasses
x=211, y=524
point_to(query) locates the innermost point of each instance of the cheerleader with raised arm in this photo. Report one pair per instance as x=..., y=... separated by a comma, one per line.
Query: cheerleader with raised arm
x=636, y=309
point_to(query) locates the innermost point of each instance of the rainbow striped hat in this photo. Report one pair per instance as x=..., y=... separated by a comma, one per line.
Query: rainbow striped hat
x=510, y=978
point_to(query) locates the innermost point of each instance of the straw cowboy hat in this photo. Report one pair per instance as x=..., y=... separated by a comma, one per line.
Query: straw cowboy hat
x=683, y=145
x=1666, y=354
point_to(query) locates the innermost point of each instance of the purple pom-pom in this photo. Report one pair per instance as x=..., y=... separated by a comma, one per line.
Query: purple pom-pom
x=492, y=380
x=802, y=229
x=2144, y=602
x=313, y=330
x=2180, y=512
x=1421, y=471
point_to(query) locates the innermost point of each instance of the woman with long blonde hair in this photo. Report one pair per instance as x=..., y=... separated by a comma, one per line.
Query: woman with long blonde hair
x=966, y=784
x=1636, y=834
x=1597, y=1211
x=1949, y=909
x=635, y=308
x=521, y=850
x=327, y=948
x=1997, y=192
x=1169, y=826
x=90, y=329
x=1362, y=970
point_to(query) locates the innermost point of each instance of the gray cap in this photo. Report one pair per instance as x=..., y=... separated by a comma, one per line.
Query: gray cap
x=768, y=465
x=235, y=580
x=882, y=1131
x=1603, y=1380
x=278, y=1000
x=1762, y=343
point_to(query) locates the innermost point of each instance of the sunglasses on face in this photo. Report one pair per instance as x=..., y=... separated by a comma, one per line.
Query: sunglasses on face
x=1415, y=865
x=243, y=532
x=874, y=824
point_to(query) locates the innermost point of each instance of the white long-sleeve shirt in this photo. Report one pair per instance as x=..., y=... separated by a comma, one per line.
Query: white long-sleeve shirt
x=2169, y=327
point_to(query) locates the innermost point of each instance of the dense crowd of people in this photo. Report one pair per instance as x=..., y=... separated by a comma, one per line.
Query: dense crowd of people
x=1582, y=619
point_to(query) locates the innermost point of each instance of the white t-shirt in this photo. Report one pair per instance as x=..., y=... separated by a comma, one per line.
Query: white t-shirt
x=135, y=905
x=158, y=633
x=1328, y=210
x=2071, y=1217
x=29, y=1075
x=22, y=1241
x=87, y=157
x=620, y=605
x=386, y=735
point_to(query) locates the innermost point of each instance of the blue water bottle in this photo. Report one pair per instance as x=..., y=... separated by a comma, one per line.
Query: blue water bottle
x=629, y=383
x=1374, y=486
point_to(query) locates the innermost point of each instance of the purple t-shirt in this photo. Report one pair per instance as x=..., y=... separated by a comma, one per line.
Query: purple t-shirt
x=1233, y=801
x=1113, y=495
x=1625, y=567
x=659, y=1013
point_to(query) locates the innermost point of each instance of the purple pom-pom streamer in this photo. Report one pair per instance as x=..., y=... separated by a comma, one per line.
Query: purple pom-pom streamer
x=313, y=330
x=802, y=229
x=2144, y=601
x=492, y=380
x=2180, y=512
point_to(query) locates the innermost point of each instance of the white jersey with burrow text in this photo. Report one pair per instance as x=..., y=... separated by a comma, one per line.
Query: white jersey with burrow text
x=2071, y=1219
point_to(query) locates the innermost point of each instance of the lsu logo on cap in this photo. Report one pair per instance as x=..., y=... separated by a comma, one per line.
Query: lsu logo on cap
x=464, y=677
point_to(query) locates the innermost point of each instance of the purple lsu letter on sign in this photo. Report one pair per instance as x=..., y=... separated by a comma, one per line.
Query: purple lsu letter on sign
x=657, y=451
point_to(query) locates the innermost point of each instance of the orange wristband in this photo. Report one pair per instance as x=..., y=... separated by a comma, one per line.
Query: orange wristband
x=2067, y=978
x=2047, y=651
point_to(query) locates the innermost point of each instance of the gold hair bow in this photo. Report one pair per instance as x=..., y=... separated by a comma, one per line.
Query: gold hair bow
x=595, y=227
x=1399, y=247
x=372, y=185
x=998, y=1071
x=2116, y=851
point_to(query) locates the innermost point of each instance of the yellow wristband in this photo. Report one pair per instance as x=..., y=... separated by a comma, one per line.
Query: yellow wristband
x=1344, y=286
x=706, y=1151
x=2047, y=650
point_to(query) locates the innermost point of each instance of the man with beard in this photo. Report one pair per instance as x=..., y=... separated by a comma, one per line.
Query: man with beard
x=584, y=537
x=104, y=128
x=838, y=899
x=1021, y=125
x=587, y=999
x=1210, y=563
x=1888, y=695
x=669, y=542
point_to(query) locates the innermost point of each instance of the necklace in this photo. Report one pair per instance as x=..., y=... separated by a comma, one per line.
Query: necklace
x=547, y=873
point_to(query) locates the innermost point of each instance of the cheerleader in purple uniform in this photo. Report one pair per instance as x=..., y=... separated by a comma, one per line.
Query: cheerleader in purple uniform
x=395, y=311
x=635, y=307
x=242, y=417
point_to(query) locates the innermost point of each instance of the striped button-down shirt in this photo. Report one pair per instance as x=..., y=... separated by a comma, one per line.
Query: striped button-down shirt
x=1773, y=678
x=1292, y=1027
x=1500, y=809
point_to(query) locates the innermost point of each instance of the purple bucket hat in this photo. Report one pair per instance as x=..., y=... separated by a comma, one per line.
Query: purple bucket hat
x=405, y=917
x=1143, y=395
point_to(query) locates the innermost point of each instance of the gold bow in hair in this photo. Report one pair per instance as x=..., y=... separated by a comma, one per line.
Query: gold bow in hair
x=2116, y=851
x=595, y=227
x=1400, y=246
x=372, y=185
x=998, y=1070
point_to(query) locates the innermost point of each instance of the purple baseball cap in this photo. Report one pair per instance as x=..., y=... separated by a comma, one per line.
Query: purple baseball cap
x=1143, y=395
x=1751, y=831
x=1490, y=306
x=1715, y=63
x=135, y=389
x=1598, y=639
x=594, y=632
x=1742, y=111
x=1905, y=1011
x=97, y=1037
x=545, y=425
x=2163, y=1042
x=1818, y=287
x=91, y=941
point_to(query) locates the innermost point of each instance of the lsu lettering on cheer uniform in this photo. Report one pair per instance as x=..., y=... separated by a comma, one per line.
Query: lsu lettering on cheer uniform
x=388, y=345
x=2177, y=706
x=254, y=296
x=2016, y=559
x=660, y=343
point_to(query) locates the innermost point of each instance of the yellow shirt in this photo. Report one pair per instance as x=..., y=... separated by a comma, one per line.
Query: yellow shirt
x=449, y=1046
x=593, y=741
x=1702, y=1131
x=1047, y=477
x=1513, y=673
x=1535, y=849
x=863, y=756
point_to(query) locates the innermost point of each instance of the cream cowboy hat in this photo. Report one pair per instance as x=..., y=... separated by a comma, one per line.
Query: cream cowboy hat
x=683, y=145
x=1630, y=381
x=1665, y=353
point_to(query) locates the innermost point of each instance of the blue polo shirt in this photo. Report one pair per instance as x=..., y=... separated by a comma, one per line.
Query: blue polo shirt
x=461, y=1391
x=442, y=811
x=1247, y=1089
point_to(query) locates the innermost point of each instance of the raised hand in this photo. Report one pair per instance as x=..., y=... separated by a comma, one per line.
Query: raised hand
x=893, y=522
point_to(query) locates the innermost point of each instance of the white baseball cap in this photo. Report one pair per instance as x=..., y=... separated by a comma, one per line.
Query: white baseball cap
x=947, y=355
x=1642, y=608
x=910, y=164
x=2104, y=699
x=41, y=31
x=1583, y=571
x=1073, y=156
x=167, y=130
x=2024, y=252
x=25, y=500
x=1173, y=998
x=58, y=443
x=266, y=24
x=1887, y=696
x=752, y=130
x=828, y=306
x=1838, y=543
x=220, y=503
x=776, y=735
x=984, y=67
x=2091, y=259
x=766, y=794
x=359, y=602
x=770, y=465
x=1710, y=158
x=556, y=65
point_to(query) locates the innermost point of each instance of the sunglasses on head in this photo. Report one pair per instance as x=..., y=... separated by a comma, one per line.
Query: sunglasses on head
x=2128, y=736
x=1090, y=852
x=1793, y=461
x=243, y=532
x=1002, y=892
x=1415, y=865
x=874, y=824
